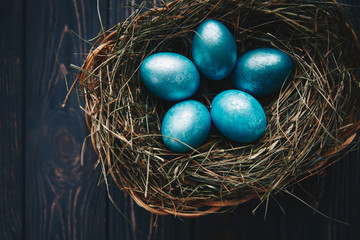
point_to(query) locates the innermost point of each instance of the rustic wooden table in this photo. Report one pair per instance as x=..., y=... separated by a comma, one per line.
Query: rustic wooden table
x=47, y=192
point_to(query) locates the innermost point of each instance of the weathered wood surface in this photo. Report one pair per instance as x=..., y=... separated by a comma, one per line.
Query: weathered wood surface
x=11, y=120
x=47, y=192
x=62, y=200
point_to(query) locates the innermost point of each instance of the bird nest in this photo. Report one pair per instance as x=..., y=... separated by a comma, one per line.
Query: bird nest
x=311, y=119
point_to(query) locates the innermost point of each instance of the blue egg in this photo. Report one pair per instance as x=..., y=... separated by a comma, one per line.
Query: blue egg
x=238, y=116
x=262, y=71
x=186, y=123
x=214, y=50
x=170, y=76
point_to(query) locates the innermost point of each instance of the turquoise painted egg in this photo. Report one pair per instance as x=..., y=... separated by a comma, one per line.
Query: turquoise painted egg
x=214, y=50
x=238, y=116
x=262, y=71
x=170, y=76
x=185, y=124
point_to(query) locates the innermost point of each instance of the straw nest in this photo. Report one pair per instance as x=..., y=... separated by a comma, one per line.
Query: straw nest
x=311, y=119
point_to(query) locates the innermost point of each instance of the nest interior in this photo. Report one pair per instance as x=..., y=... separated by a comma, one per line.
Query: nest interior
x=312, y=118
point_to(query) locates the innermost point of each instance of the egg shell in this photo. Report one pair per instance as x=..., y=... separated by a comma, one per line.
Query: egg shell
x=170, y=76
x=238, y=116
x=188, y=122
x=262, y=71
x=214, y=50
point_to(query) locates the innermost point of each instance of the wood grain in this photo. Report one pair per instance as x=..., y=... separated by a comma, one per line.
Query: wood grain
x=11, y=119
x=138, y=224
x=63, y=200
x=334, y=194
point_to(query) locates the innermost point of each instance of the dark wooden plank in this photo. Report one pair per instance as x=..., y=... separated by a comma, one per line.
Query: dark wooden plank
x=63, y=200
x=138, y=223
x=121, y=217
x=241, y=223
x=336, y=195
x=128, y=221
x=11, y=119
